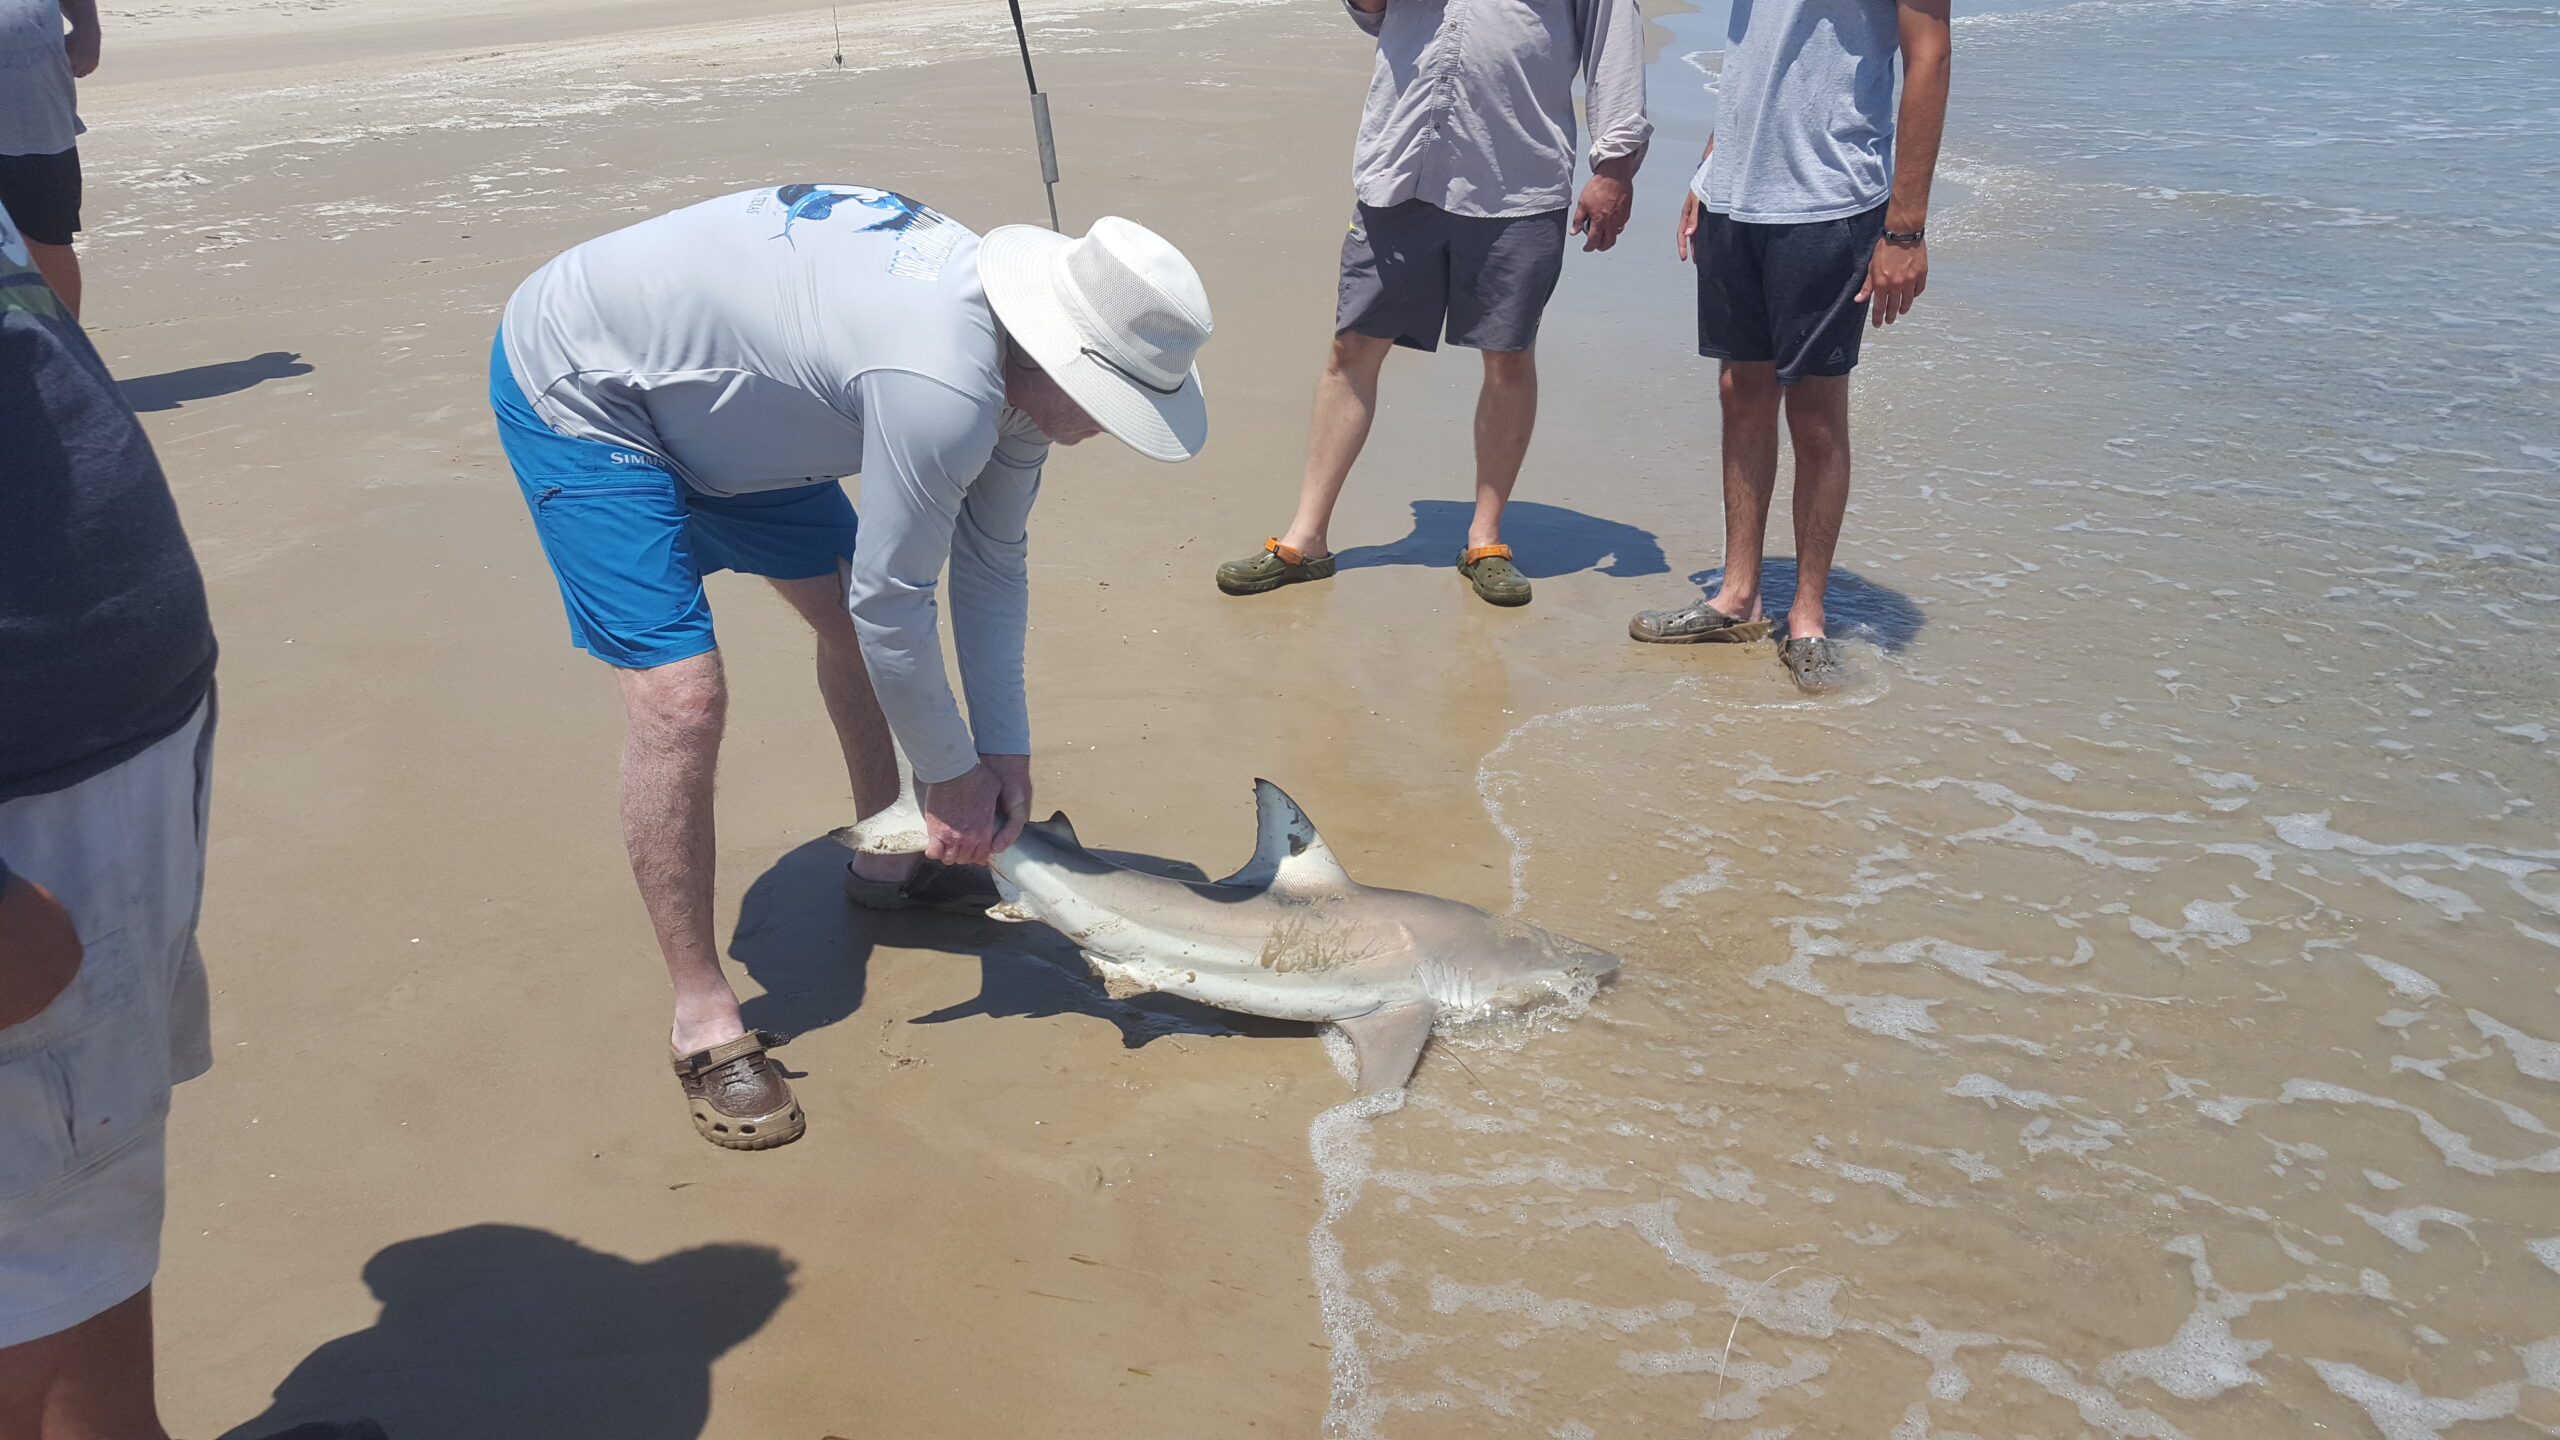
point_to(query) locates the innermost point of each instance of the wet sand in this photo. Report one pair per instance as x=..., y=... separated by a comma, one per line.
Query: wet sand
x=1859, y=1033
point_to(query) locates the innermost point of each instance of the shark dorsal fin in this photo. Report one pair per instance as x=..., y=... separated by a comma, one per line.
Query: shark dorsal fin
x=1055, y=828
x=1289, y=857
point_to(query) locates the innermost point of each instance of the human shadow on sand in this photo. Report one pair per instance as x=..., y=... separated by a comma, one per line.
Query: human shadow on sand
x=500, y=1332
x=172, y=389
x=810, y=950
x=1854, y=604
x=1549, y=540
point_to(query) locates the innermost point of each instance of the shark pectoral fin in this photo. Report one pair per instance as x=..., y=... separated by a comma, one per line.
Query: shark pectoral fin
x=1288, y=855
x=1388, y=1043
x=1117, y=981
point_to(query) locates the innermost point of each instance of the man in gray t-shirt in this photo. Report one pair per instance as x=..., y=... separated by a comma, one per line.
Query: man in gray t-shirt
x=682, y=396
x=1808, y=209
x=39, y=125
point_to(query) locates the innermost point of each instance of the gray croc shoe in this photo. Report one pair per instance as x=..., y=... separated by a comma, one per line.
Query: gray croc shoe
x=1497, y=580
x=1696, y=623
x=1814, y=661
x=932, y=885
x=1270, y=568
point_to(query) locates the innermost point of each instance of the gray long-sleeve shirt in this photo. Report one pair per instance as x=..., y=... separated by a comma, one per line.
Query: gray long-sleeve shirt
x=1471, y=105
x=793, y=335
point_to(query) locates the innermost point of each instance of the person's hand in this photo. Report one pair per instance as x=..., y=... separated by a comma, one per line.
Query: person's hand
x=1606, y=201
x=39, y=950
x=961, y=818
x=81, y=44
x=1688, y=224
x=1013, y=797
x=1895, y=278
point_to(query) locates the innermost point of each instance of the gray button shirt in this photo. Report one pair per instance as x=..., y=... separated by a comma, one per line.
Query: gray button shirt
x=1471, y=105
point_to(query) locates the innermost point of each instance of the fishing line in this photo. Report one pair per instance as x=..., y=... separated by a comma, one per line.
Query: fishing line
x=1756, y=1292
x=1039, y=117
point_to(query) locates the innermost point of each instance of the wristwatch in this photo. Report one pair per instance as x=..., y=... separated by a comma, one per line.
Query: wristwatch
x=1906, y=237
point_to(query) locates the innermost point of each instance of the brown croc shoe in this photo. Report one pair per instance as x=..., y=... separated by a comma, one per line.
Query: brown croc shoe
x=738, y=1099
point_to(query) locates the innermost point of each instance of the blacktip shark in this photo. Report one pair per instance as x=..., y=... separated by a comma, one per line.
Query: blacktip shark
x=1292, y=936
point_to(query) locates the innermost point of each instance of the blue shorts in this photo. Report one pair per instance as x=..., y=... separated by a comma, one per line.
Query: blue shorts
x=630, y=544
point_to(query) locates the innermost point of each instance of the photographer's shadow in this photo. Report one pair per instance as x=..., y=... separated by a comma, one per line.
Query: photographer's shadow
x=810, y=948
x=500, y=1332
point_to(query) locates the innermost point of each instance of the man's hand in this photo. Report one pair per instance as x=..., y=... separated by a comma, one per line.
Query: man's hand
x=960, y=819
x=1013, y=798
x=81, y=44
x=1895, y=278
x=1689, y=212
x=1606, y=201
x=974, y=814
x=39, y=951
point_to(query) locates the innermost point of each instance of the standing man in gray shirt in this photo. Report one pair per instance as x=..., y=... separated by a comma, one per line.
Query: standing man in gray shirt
x=44, y=46
x=1807, y=220
x=1463, y=171
x=682, y=396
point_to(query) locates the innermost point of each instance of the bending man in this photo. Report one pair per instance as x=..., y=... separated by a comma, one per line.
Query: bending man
x=682, y=396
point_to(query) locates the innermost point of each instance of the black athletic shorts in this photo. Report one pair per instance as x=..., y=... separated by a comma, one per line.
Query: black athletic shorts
x=42, y=194
x=1409, y=269
x=1785, y=292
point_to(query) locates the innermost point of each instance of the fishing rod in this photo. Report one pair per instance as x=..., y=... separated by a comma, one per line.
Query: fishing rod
x=1039, y=118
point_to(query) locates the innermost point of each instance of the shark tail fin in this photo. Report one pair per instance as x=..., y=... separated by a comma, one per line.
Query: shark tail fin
x=1056, y=829
x=1288, y=855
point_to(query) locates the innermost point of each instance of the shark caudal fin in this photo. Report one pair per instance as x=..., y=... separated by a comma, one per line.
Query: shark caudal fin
x=1289, y=857
x=1055, y=829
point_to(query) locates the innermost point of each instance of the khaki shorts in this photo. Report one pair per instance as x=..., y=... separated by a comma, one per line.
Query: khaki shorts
x=84, y=1086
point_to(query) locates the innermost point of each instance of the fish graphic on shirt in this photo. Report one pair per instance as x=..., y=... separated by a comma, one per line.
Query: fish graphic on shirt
x=818, y=202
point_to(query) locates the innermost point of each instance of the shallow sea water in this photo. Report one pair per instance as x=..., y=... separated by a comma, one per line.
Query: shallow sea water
x=2137, y=1011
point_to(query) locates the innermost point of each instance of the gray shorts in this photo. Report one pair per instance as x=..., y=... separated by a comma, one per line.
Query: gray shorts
x=1408, y=269
x=84, y=1086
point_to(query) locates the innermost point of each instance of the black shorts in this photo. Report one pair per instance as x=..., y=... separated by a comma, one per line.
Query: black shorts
x=42, y=194
x=1786, y=293
x=1408, y=269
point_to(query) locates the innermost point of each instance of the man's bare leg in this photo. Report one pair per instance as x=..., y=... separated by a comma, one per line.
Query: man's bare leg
x=1506, y=413
x=1749, y=393
x=90, y=1382
x=60, y=267
x=1818, y=423
x=844, y=682
x=1346, y=402
x=669, y=758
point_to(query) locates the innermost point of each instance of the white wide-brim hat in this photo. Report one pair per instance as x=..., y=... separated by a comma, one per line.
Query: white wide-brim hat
x=1117, y=317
